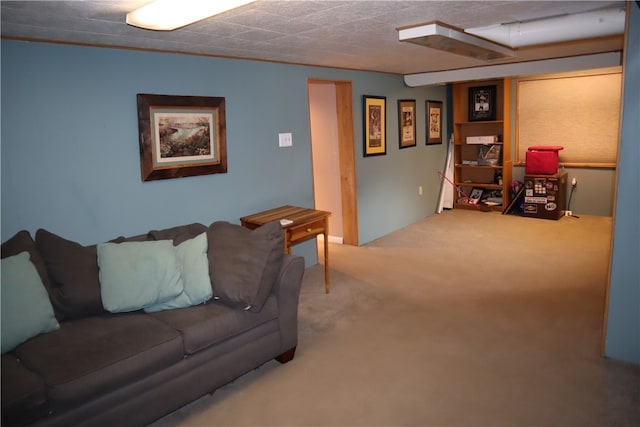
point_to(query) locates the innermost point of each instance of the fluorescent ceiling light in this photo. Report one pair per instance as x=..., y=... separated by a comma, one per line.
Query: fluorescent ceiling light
x=166, y=15
x=438, y=35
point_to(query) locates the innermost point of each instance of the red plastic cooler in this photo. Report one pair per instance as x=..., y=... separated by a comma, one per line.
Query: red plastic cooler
x=542, y=159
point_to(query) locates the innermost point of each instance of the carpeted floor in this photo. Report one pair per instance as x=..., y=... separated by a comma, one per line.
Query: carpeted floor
x=463, y=319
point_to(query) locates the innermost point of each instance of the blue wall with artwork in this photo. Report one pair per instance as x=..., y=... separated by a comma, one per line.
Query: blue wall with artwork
x=70, y=154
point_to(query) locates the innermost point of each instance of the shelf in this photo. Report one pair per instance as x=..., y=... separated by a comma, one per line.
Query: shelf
x=481, y=207
x=478, y=145
x=479, y=166
x=485, y=177
x=480, y=122
x=479, y=184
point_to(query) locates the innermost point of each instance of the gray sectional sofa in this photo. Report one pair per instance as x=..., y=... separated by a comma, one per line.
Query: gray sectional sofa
x=133, y=363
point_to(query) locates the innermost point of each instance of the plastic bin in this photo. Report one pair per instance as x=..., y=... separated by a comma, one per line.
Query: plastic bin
x=542, y=159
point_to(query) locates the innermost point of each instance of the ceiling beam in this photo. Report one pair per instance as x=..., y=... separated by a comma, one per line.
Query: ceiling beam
x=546, y=66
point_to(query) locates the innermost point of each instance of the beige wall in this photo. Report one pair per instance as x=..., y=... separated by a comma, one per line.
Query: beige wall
x=594, y=193
x=324, y=150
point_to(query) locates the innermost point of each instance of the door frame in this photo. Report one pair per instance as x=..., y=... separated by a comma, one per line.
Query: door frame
x=346, y=155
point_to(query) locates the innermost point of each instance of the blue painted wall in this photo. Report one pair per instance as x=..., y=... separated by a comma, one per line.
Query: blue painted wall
x=623, y=321
x=70, y=157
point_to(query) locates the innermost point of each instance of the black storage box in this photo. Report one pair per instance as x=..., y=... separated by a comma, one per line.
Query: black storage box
x=545, y=195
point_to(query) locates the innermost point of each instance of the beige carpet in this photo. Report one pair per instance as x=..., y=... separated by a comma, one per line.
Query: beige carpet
x=462, y=319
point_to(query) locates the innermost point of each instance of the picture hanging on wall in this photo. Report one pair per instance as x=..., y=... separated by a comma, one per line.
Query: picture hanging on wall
x=482, y=103
x=434, y=122
x=407, y=123
x=374, y=125
x=181, y=136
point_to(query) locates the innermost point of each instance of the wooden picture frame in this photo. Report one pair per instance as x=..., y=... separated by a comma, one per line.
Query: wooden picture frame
x=406, y=123
x=374, y=125
x=482, y=103
x=434, y=122
x=181, y=136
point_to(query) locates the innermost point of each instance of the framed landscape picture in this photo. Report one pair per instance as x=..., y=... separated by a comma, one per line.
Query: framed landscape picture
x=374, y=125
x=406, y=123
x=181, y=136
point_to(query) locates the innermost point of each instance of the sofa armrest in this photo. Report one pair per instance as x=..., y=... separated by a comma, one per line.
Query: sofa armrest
x=287, y=290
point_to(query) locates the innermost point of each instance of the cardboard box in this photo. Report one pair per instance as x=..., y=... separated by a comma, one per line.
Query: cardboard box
x=542, y=159
x=545, y=195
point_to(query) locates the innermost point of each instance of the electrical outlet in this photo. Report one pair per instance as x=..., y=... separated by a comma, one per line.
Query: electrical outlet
x=285, y=139
x=574, y=182
x=420, y=190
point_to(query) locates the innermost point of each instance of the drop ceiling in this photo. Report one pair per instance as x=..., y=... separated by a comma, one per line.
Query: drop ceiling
x=359, y=35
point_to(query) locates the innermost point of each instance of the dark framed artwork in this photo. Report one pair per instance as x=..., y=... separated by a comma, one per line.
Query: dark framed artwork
x=181, y=136
x=374, y=113
x=406, y=123
x=434, y=122
x=482, y=103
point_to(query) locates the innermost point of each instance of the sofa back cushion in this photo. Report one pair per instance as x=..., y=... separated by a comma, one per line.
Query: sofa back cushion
x=178, y=234
x=73, y=269
x=26, y=308
x=135, y=275
x=243, y=263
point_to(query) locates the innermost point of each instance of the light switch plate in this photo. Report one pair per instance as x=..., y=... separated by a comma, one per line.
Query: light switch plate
x=285, y=139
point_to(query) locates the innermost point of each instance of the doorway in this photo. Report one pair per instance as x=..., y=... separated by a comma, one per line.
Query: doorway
x=333, y=156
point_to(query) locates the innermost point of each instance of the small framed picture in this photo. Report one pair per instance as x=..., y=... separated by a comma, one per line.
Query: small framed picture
x=434, y=122
x=482, y=103
x=407, y=123
x=374, y=114
x=476, y=195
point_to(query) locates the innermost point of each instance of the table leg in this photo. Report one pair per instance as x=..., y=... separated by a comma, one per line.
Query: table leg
x=326, y=255
x=287, y=246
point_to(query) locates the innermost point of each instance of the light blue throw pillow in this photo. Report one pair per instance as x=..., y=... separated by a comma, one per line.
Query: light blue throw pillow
x=26, y=309
x=135, y=275
x=194, y=267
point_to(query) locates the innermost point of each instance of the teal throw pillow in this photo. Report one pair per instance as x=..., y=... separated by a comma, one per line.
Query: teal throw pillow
x=26, y=308
x=194, y=267
x=135, y=275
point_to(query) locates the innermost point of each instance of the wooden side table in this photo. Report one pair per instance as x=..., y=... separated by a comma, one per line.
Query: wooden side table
x=305, y=225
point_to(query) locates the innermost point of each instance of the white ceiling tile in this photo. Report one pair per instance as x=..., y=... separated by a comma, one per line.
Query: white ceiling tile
x=358, y=34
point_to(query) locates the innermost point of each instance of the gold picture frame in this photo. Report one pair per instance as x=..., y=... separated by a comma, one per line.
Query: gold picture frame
x=374, y=113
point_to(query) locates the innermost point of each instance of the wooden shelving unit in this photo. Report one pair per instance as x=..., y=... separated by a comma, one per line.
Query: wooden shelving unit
x=494, y=180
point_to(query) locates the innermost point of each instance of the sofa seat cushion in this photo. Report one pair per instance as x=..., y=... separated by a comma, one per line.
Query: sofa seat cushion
x=207, y=324
x=24, y=396
x=90, y=356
